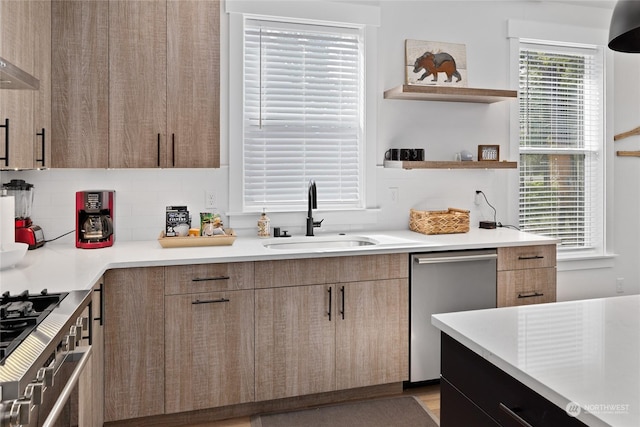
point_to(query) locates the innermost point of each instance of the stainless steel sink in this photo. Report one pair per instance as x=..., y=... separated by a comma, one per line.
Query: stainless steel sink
x=319, y=242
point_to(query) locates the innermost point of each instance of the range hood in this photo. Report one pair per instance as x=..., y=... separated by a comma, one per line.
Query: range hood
x=12, y=77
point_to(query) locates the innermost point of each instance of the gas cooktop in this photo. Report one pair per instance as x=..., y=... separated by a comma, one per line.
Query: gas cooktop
x=20, y=315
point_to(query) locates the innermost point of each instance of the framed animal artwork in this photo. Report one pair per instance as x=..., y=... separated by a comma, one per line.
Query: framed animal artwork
x=429, y=63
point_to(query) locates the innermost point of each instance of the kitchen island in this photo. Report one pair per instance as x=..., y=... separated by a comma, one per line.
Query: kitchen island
x=583, y=357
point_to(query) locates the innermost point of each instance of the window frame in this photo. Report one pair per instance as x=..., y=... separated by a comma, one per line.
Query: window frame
x=543, y=32
x=287, y=25
x=366, y=17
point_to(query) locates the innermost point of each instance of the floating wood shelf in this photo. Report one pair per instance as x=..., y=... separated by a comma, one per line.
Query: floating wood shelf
x=628, y=153
x=450, y=165
x=451, y=94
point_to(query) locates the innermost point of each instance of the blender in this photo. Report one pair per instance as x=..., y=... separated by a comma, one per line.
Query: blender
x=26, y=231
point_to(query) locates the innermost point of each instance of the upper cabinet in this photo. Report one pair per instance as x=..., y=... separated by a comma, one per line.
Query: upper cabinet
x=164, y=84
x=80, y=79
x=141, y=84
x=25, y=113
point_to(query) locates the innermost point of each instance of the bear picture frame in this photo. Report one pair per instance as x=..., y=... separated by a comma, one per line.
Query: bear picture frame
x=433, y=63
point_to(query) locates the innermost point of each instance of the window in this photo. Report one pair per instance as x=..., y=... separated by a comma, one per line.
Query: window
x=302, y=115
x=561, y=143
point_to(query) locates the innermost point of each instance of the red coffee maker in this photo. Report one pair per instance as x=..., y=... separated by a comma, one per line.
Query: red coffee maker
x=95, y=219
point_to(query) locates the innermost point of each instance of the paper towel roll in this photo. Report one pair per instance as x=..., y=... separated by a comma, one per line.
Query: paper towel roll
x=7, y=221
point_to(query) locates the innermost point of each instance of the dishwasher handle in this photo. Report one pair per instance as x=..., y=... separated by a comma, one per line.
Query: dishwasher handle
x=461, y=258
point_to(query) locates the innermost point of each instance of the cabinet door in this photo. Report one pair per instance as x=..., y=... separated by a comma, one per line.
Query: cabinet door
x=17, y=46
x=209, y=350
x=372, y=336
x=193, y=84
x=137, y=83
x=42, y=100
x=134, y=343
x=295, y=341
x=80, y=84
x=91, y=387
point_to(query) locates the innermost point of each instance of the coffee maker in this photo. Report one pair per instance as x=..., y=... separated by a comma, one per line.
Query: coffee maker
x=95, y=219
x=26, y=231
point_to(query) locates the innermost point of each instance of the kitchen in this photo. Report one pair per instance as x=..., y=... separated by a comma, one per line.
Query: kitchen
x=143, y=194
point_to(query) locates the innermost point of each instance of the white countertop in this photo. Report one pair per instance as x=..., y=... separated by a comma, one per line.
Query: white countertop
x=63, y=267
x=586, y=352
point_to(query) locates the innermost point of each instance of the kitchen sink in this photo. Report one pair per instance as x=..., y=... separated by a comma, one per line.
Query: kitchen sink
x=319, y=242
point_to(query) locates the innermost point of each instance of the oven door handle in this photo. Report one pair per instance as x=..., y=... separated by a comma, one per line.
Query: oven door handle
x=66, y=391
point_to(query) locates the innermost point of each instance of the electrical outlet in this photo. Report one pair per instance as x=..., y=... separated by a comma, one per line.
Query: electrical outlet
x=209, y=200
x=394, y=194
x=620, y=285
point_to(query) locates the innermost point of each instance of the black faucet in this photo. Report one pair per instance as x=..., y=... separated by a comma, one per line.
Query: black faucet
x=312, y=204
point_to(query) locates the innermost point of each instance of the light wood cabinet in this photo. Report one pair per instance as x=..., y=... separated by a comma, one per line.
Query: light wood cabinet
x=313, y=338
x=80, y=84
x=526, y=275
x=164, y=84
x=295, y=341
x=134, y=343
x=42, y=97
x=209, y=350
x=91, y=384
x=372, y=333
x=17, y=45
x=193, y=84
x=136, y=84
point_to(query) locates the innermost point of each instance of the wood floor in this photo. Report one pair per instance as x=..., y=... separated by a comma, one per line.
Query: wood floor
x=430, y=396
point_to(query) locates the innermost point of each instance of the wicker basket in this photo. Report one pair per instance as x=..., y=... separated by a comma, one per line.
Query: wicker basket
x=439, y=222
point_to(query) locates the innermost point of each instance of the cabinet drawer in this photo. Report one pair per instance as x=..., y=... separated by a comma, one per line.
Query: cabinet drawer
x=496, y=393
x=187, y=279
x=521, y=257
x=319, y=271
x=522, y=287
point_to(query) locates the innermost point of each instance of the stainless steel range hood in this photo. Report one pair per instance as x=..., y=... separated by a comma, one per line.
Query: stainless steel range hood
x=12, y=77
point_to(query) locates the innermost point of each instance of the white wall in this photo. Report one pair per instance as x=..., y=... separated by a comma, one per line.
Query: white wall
x=441, y=128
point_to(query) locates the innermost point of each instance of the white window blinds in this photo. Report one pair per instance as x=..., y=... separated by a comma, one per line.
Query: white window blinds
x=561, y=141
x=302, y=115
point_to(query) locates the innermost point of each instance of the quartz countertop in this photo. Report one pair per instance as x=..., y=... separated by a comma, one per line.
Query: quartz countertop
x=585, y=352
x=62, y=267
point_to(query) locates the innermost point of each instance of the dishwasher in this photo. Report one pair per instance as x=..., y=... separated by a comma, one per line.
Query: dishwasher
x=443, y=282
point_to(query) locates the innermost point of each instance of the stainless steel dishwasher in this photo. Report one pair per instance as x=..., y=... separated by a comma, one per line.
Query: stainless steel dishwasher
x=443, y=282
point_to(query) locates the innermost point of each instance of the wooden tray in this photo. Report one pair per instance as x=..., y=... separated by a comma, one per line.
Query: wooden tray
x=194, y=241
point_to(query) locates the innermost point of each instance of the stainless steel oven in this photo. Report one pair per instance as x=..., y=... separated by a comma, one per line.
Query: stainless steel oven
x=41, y=365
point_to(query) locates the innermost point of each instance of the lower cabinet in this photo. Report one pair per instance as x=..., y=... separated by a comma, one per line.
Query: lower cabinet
x=208, y=350
x=134, y=343
x=324, y=337
x=474, y=392
x=295, y=341
x=91, y=383
x=190, y=338
x=526, y=275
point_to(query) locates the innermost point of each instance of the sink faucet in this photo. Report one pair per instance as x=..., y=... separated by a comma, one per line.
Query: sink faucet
x=312, y=204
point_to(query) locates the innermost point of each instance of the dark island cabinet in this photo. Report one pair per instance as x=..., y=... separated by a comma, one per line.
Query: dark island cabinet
x=474, y=392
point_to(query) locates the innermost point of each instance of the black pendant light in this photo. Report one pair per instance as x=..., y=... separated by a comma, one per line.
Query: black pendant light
x=624, y=31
